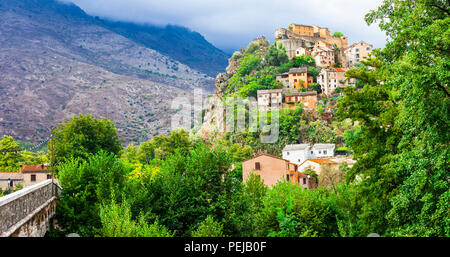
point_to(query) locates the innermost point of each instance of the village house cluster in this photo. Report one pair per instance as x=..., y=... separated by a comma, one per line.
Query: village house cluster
x=296, y=160
x=28, y=176
x=331, y=54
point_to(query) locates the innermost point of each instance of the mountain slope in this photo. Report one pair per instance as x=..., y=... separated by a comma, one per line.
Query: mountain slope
x=177, y=42
x=56, y=61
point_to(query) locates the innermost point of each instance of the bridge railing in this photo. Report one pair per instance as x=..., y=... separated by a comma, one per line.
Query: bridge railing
x=18, y=207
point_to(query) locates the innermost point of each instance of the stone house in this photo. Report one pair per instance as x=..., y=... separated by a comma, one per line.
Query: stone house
x=270, y=98
x=302, y=30
x=332, y=78
x=33, y=174
x=283, y=79
x=323, y=56
x=300, y=78
x=272, y=169
x=307, y=99
x=357, y=52
x=10, y=180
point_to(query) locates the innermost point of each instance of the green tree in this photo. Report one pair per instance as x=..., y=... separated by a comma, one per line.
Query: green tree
x=403, y=141
x=117, y=221
x=276, y=56
x=338, y=34
x=83, y=135
x=10, y=154
x=86, y=185
x=209, y=228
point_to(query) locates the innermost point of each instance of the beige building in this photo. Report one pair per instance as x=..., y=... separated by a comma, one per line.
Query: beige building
x=296, y=78
x=10, y=180
x=357, y=52
x=270, y=98
x=332, y=78
x=307, y=99
x=33, y=174
x=323, y=56
x=272, y=169
x=315, y=164
x=341, y=42
x=302, y=30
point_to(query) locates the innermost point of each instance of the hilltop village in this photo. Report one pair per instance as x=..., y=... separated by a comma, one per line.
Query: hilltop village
x=331, y=54
x=312, y=77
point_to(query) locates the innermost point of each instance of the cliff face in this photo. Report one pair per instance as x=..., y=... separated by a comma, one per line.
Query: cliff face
x=212, y=124
x=56, y=61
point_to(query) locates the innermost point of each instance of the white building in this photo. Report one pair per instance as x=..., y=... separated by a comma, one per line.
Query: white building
x=322, y=150
x=299, y=153
x=296, y=153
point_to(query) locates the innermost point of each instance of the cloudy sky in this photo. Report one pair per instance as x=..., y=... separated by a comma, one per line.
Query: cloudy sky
x=229, y=24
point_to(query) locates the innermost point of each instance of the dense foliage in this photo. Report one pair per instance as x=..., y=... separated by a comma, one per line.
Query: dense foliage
x=83, y=135
x=173, y=186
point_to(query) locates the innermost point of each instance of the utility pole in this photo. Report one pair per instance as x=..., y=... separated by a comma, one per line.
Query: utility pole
x=52, y=160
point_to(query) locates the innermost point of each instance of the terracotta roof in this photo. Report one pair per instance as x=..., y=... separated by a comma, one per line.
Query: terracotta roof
x=11, y=175
x=321, y=161
x=34, y=168
x=340, y=69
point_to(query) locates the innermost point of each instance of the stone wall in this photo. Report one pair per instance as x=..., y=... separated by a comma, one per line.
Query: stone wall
x=27, y=212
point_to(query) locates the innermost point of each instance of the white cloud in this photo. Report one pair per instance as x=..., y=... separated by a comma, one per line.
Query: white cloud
x=229, y=24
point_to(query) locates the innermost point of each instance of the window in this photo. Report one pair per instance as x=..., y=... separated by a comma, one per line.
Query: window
x=11, y=183
x=312, y=152
x=287, y=177
x=357, y=49
x=368, y=48
x=33, y=177
x=49, y=176
x=257, y=166
x=325, y=152
x=299, y=160
x=357, y=55
x=287, y=153
x=320, y=152
x=304, y=181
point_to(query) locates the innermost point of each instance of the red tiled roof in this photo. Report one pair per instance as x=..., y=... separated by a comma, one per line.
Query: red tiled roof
x=34, y=168
x=320, y=161
x=340, y=69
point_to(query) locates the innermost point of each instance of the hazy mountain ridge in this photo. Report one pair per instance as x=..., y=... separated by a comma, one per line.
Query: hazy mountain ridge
x=56, y=61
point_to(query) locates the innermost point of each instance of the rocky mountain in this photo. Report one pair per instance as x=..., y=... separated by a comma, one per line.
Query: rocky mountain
x=56, y=61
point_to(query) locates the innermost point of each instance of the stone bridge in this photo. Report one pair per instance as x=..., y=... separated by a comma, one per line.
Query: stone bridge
x=27, y=212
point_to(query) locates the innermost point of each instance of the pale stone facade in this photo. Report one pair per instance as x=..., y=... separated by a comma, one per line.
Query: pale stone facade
x=268, y=99
x=357, y=52
x=272, y=169
x=332, y=78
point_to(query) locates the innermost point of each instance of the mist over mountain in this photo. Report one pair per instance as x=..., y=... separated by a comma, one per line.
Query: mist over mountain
x=56, y=61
